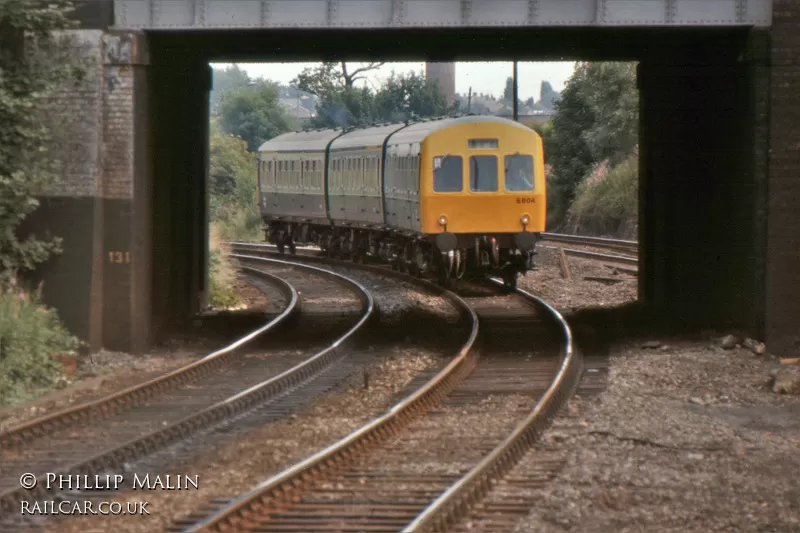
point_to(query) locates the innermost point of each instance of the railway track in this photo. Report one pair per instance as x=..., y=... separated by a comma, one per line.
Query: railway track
x=240, y=385
x=346, y=488
x=632, y=247
x=38, y=428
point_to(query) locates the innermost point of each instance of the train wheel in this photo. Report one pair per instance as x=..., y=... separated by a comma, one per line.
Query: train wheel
x=445, y=268
x=420, y=263
x=460, y=267
x=330, y=246
x=510, y=276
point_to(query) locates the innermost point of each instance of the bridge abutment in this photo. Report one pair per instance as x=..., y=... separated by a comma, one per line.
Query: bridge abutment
x=128, y=195
x=783, y=233
x=699, y=198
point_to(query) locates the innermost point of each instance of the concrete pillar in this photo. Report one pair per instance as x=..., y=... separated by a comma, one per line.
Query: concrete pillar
x=179, y=95
x=699, y=195
x=127, y=194
x=783, y=234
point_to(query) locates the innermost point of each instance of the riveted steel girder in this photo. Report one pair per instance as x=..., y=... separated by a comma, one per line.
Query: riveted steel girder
x=218, y=14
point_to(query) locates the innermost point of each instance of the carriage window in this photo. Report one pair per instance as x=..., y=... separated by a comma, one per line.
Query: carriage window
x=447, y=173
x=519, y=173
x=483, y=173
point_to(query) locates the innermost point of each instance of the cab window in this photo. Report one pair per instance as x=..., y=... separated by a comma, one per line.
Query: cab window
x=519, y=173
x=447, y=173
x=483, y=173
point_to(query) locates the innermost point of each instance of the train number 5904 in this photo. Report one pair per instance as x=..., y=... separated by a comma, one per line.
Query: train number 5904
x=526, y=200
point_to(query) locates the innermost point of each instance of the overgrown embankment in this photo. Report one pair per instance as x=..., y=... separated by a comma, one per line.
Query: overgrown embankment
x=33, y=65
x=591, y=147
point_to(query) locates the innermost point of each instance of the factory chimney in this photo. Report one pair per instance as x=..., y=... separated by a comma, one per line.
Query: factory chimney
x=445, y=74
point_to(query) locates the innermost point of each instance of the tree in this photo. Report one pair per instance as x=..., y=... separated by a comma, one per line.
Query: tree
x=405, y=97
x=33, y=65
x=231, y=77
x=233, y=185
x=547, y=96
x=228, y=79
x=230, y=164
x=343, y=105
x=340, y=104
x=255, y=115
x=596, y=119
x=357, y=74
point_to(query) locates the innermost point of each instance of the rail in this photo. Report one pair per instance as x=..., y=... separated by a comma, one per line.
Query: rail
x=106, y=406
x=283, y=484
x=225, y=409
x=600, y=242
x=474, y=486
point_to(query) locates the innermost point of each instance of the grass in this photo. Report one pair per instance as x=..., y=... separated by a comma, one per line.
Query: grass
x=31, y=335
x=221, y=274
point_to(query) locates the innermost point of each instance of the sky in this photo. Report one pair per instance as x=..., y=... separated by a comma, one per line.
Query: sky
x=483, y=77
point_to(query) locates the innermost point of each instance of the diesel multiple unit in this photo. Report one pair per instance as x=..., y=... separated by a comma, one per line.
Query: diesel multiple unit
x=449, y=196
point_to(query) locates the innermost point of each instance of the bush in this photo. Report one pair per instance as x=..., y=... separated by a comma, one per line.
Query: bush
x=30, y=336
x=237, y=222
x=234, y=185
x=606, y=201
x=220, y=284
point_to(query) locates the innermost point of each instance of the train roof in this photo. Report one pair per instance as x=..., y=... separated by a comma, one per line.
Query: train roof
x=416, y=132
x=300, y=141
x=365, y=137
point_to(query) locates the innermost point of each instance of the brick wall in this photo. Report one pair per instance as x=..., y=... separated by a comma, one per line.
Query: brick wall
x=783, y=234
x=92, y=119
x=94, y=124
x=75, y=118
x=121, y=56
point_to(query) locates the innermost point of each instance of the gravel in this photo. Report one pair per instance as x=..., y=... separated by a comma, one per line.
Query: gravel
x=688, y=438
x=396, y=298
x=578, y=292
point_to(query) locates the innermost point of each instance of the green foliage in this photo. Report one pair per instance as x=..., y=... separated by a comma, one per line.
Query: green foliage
x=606, y=202
x=220, y=290
x=324, y=81
x=225, y=80
x=31, y=67
x=596, y=119
x=30, y=334
x=345, y=108
x=233, y=183
x=405, y=97
x=255, y=114
x=229, y=78
x=342, y=105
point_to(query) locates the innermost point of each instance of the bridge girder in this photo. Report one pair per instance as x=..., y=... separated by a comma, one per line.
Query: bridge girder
x=383, y=14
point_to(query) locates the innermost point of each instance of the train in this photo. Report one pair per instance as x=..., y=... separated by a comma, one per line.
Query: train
x=448, y=197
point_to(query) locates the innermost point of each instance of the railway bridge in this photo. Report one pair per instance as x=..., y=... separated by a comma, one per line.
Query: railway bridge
x=719, y=88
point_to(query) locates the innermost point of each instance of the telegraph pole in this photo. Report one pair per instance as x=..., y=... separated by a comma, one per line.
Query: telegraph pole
x=515, y=94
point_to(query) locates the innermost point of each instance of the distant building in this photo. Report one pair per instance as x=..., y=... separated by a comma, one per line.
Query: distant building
x=299, y=108
x=445, y=74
